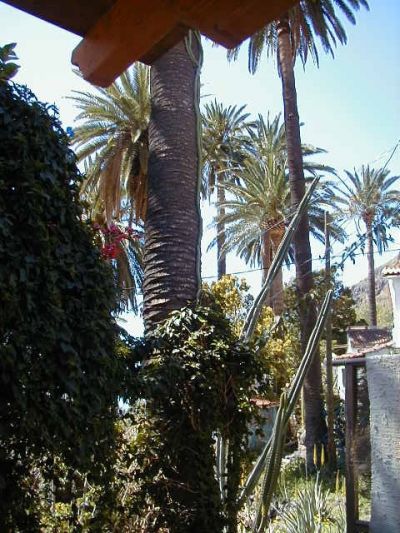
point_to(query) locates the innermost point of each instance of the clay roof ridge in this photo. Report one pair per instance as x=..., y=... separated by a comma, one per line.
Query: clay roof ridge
x=361, y=353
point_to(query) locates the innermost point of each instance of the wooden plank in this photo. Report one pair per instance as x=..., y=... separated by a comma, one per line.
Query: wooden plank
x=355, y=361
x=144, y=29
x=76, y=16
x=130, y=30
x=351, y=474
x=229, y=22
x=119, y=32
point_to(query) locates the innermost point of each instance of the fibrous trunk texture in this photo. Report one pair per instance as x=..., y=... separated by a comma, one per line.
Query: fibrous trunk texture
x=172, y=228
x=371, y=277
x=265, y=254
x=383, y=374
x=278, y=304
x=221, y=257
x=313, y=404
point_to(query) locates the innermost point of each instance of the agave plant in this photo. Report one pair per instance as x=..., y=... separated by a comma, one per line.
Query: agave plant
x=267, y=466
x=312, y=511
x=268, y=463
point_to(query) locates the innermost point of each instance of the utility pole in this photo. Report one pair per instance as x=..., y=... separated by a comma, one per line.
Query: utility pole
x=328, y=337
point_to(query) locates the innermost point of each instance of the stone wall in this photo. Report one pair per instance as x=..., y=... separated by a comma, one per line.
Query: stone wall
x=383, y=372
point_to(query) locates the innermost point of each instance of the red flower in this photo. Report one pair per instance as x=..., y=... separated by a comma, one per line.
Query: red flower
x=110, y=251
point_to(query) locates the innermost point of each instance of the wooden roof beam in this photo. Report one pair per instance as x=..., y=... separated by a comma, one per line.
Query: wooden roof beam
x=230, y=22
x=131, y=30
x=142, y=30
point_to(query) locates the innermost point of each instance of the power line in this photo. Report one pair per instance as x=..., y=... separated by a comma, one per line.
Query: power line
x=290, y=263
x=383, y=154
x=391, y=155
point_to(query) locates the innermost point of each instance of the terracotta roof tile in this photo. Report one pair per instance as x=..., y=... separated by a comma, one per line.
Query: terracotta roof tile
x=363, y=338
x=362, y=353
x=392, y=270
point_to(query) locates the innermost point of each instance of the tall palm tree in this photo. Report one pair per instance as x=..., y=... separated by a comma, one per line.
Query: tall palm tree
x=224, y=138
x=172, y=234
x=112, y=139
x=296, y=33
x=369, y=197
x=259, y=202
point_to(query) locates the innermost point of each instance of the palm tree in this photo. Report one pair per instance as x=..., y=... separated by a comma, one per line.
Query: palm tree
x=112, y=139
x=369, y=198
x=173, y=230
x=224, y=138
x=296, y=33
x=259, y=201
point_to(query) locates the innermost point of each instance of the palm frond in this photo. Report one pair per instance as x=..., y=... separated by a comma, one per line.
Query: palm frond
x=112, y=132
x=312, y=23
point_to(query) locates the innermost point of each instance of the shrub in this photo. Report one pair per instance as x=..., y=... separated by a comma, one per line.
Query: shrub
x=58, y=372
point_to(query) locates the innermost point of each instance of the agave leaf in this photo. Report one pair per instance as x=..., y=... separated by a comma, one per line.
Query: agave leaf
x=221, y=464
x=292, y=398
x=272, y=466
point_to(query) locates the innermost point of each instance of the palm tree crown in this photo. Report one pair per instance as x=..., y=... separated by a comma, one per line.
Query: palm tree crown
x=310, y=22
x=259, y=196
x=112, y=142
x=258, y=200
x=112, y=138
x=224, y=140
x=369, y=197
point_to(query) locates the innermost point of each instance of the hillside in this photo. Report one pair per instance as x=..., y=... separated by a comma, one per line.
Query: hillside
x=383, y=300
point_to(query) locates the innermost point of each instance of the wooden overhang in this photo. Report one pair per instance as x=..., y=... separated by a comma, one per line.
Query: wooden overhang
x=118, y=32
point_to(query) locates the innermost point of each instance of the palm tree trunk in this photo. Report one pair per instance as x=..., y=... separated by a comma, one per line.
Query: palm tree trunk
x=278, y=304
x=313, y=403
x=265, y=254
x=172, y=230
x=221, y=257
x=371, y=276
x=171, y=276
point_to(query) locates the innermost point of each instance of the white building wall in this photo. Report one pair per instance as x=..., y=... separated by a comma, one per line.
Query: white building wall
x=394, y=286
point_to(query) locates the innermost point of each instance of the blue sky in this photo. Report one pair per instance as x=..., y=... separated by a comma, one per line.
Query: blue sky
x=350, y=105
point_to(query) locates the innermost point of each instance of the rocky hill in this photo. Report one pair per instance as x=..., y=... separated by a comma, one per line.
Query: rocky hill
x=383, y=300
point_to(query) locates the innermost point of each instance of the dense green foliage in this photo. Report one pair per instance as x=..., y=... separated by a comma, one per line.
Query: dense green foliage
x=59, y=378
x=199, y=379
x=279, y=347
